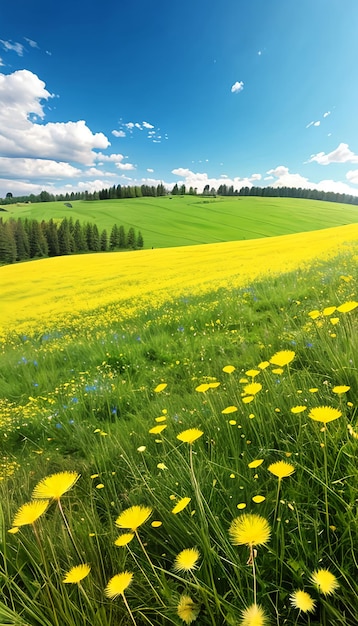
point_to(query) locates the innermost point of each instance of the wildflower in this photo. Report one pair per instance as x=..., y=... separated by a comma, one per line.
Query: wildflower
x=118, y=584
x=255, y=463
x=284, y=357
x=100, y=486
x=325, y=581
x=302, y=600
x=253, y=616
x=28, y=513
x=186, y=560
x=340, y=389
x=241, y=505
x=252, y=373
x=124, y=539
x=202, y=388
x=258, y=499
x=187, y=609
x=229, y=409
x=229, y=369
x=133, y=517
x=252, y=389
x=190, y=435
x=180, y=506
x=161, y=418
x=55, y=485
x=281, y=469
x=328, y=310
x=314, y=314
x=250, y=529
x=298, y=409
x=160, y=387
x=324, y=414
x=248, y=399
x=263, y=365
x=156, y=524
x=347, y=306
x=156, y=430
x=77, y=573
x=141, y=449
x=161, y=466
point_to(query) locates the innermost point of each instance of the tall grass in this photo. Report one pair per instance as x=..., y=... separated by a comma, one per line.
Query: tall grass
x=96, y=405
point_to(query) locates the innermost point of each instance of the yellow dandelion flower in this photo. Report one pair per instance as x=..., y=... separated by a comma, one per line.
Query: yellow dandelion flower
x=187, y=609
x=156, y=430
x=156, y=523
x=161, y=418
x=254, y=615
x=160, y=387
x=263, y=365
x=347, y=306
x=28, y=513
x=186, y=560
x=180, y=505
x=329, y=310
x=324, y=414
x=13, y=530
x=252, y=389
x=214, y=385
x=100, y=486
x=281, y=469
x=190, y=435
x=325, y=581
x=202, y=388
x=277, y=370
x=117, y=585
x=77, y=573
x=124, y=539
x=229, y=369
x=248, y=399
x=302, y=600
x=241, y=505
x=229, y=409
x=334, y=320
x=258, y=499
x=255, y=463
x=313, y=390
x=133, y=517
x=298, y=409
x=314, y=314
x=161, y=466
x=250, y=530
x=141, y=449
x=252, y=373
x=340, y=389
x=55, y=485
x=351, y=431
x=284, y=357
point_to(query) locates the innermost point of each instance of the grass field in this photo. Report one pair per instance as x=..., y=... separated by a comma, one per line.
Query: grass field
x=212, y=388
x=188, y=220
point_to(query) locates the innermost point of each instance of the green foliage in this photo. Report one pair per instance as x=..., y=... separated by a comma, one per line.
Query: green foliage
x=87, y=398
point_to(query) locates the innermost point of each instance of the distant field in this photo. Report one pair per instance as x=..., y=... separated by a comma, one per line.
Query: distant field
x=190, y=220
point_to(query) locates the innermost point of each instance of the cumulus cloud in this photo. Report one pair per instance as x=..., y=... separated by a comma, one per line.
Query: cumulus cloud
x=117, y=159
x=255, y=176
x=352, y=176
x=118, y=133
x=326, y=114
x=147, y=125
x=286, y=179
x=318, y=123
x=237, y=87
x=21, y=94
x=200, y=179
x=149, y=169
x=36, y=168
x=342, y=154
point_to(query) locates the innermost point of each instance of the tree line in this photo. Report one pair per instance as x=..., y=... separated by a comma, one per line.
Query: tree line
x=25, y=239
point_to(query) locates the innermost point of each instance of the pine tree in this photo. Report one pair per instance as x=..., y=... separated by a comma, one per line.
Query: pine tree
x=140, y=241
x=114, y=237
x=122, y=239
x=64, y=237
x=104, y=241
x=131, y=238
x=22, y=241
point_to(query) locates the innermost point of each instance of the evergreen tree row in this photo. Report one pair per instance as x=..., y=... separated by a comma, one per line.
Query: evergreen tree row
x=21, y=240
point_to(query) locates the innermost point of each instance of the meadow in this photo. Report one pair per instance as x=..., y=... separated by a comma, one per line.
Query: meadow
x=179, y=435
x=189, y=220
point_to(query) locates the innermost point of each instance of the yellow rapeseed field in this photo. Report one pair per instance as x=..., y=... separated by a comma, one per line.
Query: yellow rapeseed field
x=46, y=292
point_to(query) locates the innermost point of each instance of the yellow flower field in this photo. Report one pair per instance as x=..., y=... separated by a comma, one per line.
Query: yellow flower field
x=46, y=292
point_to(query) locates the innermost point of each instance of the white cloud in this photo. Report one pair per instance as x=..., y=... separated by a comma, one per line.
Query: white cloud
x=1, y=62
x=31, y=42
x=268, y=178
x=125, y=166
x=21, y=95
x=137, y=125
x=130, y=125
x=36, y=168
x=352, y=176
x=286, y=179
x=255, y=176
x=117, y=159
x=237, y=87
x=318, y=123
x=342, y=154
x=259, y=53
x=200, y=179
x=118, y=133
x=13, y=47
x=147, y=125
x=149, y=169
x=310, y=124
x=326, y=114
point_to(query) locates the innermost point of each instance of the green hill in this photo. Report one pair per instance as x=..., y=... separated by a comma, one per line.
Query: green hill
x=179, y=221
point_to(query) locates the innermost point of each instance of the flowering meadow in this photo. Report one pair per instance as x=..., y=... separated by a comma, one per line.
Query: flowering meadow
x=179, y=436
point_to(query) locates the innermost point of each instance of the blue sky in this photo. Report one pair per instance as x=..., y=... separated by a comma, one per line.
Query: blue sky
x=242, y=92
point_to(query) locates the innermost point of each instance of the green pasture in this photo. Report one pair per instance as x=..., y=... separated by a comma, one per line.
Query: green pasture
x=187, y=220
x=107, y=399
